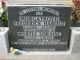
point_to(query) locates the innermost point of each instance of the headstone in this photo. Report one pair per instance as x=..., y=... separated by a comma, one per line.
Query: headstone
x=4, y=43
x=39, y=27
x=75, y=40
x=38, y=1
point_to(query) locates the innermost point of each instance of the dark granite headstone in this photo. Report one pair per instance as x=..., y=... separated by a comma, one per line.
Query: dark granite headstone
x=39, y=27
